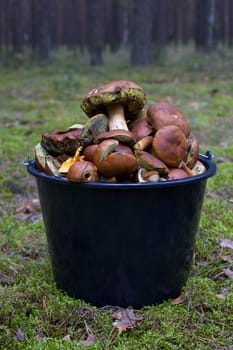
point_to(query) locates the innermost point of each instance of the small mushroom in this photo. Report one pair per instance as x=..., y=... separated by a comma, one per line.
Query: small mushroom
x=114, y=164
x=162, y=114
x=140, y=128
x=45, y=162
x=199, y=168
x=40, y=156
x=52, y=166
x=170, y=145
x=93, y=127
x=83, y=171
x=144, y=175
x=89, y=151
x=193, y=151
x=120, y=100
x=142, y=144
x=59, y=142
x=177, y=174
x=121, y=135
x=150, y=162
x=64, y=168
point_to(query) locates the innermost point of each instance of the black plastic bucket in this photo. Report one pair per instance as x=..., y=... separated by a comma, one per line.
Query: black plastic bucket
x=121, y=244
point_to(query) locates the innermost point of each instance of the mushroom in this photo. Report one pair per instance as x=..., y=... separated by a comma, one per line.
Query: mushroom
x=83, y=171
x=64, y=168
x=149, y=162
x=121, y=135
x=45, y=162
x=141, y=128
x=59, y=142
x=93, y=127
x=193, y=151
x=199, y=168
x=89, y=151
x=142, y=144
x=147, y=176
x=120, y=100
x=177, y=174
x=170, y=145
x=114, y=164
x=161, y=114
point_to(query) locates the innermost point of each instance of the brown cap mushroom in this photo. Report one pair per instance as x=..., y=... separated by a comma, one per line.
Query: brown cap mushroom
x=83, y=171
x=141, y=128
x=177, y=174
x=111, y=163
x=150, y=162
x=161, y=114
x=120, y=100
x=120, y=135
x=62, y=141
x=170, y=145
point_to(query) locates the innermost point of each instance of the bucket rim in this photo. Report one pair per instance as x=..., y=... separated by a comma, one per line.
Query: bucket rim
x=206, y=159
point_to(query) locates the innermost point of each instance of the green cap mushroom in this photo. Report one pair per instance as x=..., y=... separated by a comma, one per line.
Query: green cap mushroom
x=121, y=100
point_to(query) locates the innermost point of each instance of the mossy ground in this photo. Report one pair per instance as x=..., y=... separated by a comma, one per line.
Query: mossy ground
x=34, y=314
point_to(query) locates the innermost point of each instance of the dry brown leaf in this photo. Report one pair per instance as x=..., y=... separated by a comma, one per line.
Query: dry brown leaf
x=226, y=243
x=20, y=336
x=125, y=319
x=91, y=339
x=179, y=300
x=229, y=273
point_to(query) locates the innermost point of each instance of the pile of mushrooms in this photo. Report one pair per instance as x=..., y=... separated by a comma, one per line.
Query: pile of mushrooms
x=124, y=140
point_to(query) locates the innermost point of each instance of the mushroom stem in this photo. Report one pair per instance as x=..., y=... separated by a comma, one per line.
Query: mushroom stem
x=116, y=117
x=188, y=171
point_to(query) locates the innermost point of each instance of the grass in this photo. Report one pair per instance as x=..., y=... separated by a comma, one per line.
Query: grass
x=34, y=314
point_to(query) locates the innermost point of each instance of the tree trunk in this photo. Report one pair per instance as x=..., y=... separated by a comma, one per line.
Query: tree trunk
x=44, y=34
x=95, y=31
x=16, y=26
x=141, y=33
x=203, y=25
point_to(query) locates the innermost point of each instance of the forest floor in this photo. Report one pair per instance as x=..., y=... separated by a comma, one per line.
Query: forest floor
x=34, y=314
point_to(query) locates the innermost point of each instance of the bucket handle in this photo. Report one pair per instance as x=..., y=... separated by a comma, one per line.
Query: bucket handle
x=27, y=162
x=209, y=155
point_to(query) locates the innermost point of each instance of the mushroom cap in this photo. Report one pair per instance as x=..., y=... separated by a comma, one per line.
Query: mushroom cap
x=120, y=135
x=93, y=127
x=161, y=114
x=84, y=171
x=120, y=165
x=170, y=145
x=62, y=141
x=193, y=151
x=124, y=92
x=176, y=174
x=141, y=128
x=150, y=162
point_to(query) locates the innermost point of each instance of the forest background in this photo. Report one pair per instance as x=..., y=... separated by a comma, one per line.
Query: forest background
x=146, y=27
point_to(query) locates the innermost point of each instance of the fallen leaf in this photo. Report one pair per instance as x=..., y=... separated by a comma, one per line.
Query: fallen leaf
x=223, y=293
x=91, y=339
x=67, y=338
x=227, y=258
x=179, y=300
x=125, y=319
x=226, y=243
x=229, y=273
x=6, y=280
x=20, y=336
